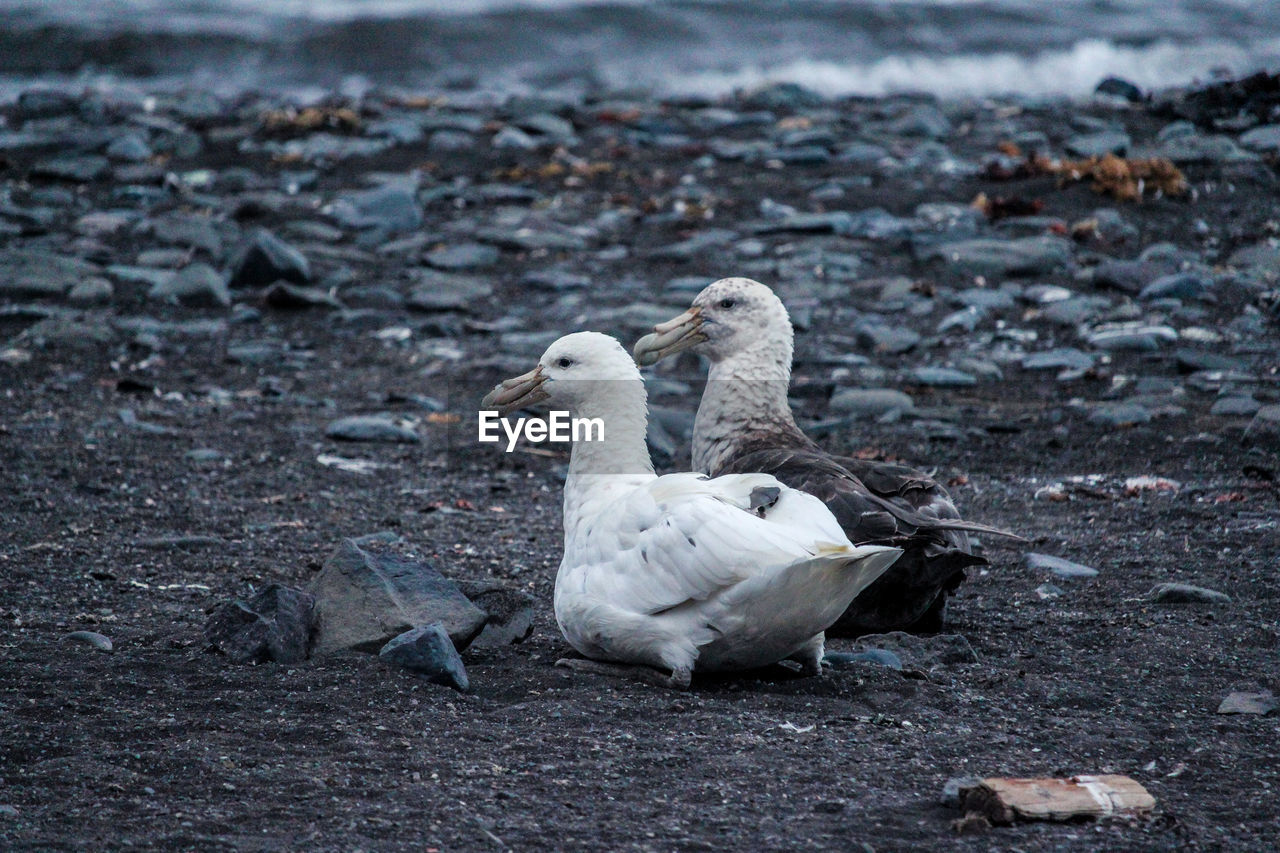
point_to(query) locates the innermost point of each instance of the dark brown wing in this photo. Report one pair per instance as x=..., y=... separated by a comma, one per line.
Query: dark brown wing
x=881, y=503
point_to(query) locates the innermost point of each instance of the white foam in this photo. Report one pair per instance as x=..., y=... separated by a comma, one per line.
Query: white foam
x=1074, y=71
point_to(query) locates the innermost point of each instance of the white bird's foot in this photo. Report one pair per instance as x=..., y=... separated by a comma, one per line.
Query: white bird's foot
x=810, y=657
x=678, y=679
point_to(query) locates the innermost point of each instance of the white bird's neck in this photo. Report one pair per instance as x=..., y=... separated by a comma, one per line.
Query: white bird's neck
x=746, y=394
x=619, y=460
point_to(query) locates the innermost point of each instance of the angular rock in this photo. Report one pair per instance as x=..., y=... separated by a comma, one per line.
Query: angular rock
x=267, y=259
x=1003, y=800
x=428, y=653
x=365, y=598
x=880, y=657
x=370, y=428
x=509, y=613
x=1184, y=593
x=1058, y=566
x=275, y=625
x=1183, y=285
x=1264, y=429
x=1240, y=702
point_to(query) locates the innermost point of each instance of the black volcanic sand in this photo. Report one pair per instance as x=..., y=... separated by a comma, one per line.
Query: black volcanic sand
x=164, y=744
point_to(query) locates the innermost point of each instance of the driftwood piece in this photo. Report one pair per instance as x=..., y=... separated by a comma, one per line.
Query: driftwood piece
x=1006, y=800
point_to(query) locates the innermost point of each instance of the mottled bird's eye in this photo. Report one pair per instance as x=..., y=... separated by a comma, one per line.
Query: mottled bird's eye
x=727, y=303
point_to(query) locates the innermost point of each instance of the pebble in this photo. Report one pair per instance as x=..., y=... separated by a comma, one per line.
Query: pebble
x=100, y=642
x=1238, y=406
x=68, y=167
x=880, y=657
x=1182, y=593
x=1264, y=429
x=1058, y=566
x=1265, y=139
x=439, y=291
x=1178, y=286
x=381, y=428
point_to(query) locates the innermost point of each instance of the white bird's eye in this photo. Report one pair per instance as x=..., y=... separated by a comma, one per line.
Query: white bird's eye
x=564, y=362
x=727, y=303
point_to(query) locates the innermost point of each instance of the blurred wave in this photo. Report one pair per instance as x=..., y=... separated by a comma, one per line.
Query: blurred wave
x=708, y=47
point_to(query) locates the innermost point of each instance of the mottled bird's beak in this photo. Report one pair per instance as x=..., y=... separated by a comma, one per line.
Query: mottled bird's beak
x=516, y=393
x=669, y=338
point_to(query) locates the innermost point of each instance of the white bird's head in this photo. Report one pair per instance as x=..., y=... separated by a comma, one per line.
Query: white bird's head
x=574, y=371
x=728, y=318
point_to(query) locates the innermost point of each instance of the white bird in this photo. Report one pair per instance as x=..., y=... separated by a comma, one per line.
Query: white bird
x=744, y=423
x=680, y=572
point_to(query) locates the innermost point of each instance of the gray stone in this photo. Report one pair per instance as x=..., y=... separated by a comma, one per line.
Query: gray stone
x=428, y=653
x=694, y=246
x=1264, y=429
x=987, y=257
x=1132, y=336
x=275, y=625
x=76, y=168
x=370, y=428
x=1265, y=138
x=1098, y=144
x=530, y=239
x=943, y=377
x=870, y=402
x=199, y=284
x=1183, y=285
x=966, y=318
x=513, y=138
x=1183, y=593
x=391, y=208
x=1067, y=358
x=555, y=280
x=1261, y=703
x=438, y=291
x=1265, y=255
x=880, y=657
x=884, y=338
x=1198, y=148
x=1129, y=276
x=922, y=652
x=267, y=259
x=130, y=147
x=463, y=256
x=835, y=222
x=365, y=598
x=1120, y=415
x=1074, y=311
x=1116, y=87
x=91, y=291
x=509, y=613
x=101, y=642
x=286, y=296
x=33, y=273
x=1239, y=406
x=451, y=140
x=984, y=297
x=923, y=120
x=1058, y=566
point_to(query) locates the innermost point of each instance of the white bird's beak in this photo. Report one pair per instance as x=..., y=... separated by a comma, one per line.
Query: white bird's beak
x=677, y=334
x=516, y=392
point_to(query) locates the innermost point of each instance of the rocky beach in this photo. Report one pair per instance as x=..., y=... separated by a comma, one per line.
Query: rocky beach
x=237, y=330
